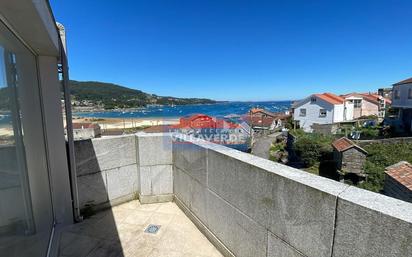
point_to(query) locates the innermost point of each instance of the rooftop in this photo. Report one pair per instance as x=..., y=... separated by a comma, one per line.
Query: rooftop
x=343, y=144
x=402, y=173
x=330, y=98
x=370, y=97
x=406, y=81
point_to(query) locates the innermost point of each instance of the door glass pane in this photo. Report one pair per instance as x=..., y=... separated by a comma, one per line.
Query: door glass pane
x=26, y=216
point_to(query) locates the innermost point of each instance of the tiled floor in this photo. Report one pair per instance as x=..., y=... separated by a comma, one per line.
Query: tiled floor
x=119, y=232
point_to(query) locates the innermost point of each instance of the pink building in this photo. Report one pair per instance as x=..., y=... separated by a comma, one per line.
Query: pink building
x=364, y=104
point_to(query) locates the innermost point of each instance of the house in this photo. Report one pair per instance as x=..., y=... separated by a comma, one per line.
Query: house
x=359, y=105
x=398, y=181
x=86, y=130
x=326, y=108
x=349, y=157
x=261, y=113
x=263, y=120
x=221, y=131
x=385, y=92
x=401, y=113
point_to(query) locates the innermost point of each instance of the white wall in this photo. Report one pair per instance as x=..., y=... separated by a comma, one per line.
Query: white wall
x=338, y=113
x=349, y=111
x=403, y=101
x=312, y=114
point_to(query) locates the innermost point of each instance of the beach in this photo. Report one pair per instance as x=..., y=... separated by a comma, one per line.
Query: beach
x=126, y=123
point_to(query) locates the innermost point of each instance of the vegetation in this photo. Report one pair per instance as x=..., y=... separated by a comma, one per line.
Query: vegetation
x=370, y=132
x=381, y=156
x=311, y=148
x=112, y=96
x=278, y=152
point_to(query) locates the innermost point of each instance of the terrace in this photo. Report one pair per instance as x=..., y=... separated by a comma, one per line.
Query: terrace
x=210, y=200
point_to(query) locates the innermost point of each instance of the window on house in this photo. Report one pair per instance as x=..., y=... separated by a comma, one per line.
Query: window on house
x=302, y=112
x=357, y=103
x=322, y=113
x=313, y=99
x=410, y=93
x=397, y=94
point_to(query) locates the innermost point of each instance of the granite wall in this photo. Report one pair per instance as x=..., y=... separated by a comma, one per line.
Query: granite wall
x=245, y=205
x=107, y=171
x=250, y=206
x=113, y=170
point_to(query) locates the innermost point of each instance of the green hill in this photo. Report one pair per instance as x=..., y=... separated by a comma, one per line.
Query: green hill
x=114, y=96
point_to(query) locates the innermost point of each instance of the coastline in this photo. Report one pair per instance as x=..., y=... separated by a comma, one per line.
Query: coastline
x=126, y=122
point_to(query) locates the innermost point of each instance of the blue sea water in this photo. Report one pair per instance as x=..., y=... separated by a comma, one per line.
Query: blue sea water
x=217, y=110
x=5, y=120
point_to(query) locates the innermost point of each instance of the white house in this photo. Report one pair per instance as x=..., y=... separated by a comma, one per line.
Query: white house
x=402, y=105
x=325, y=108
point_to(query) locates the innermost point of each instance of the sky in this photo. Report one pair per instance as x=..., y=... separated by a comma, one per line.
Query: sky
x=239, y=50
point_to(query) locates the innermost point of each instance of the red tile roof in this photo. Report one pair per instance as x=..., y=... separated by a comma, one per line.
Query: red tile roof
x=254, y=111
x=402, y=173
x=406, y=81
x=331, y=98
x=265, y=121
x=343, y=144
x=370, y=97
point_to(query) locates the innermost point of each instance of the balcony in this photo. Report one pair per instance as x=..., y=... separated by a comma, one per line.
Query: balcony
x=210, y=200
x=120, y=231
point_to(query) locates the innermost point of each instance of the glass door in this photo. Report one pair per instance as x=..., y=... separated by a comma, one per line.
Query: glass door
x=26, y=215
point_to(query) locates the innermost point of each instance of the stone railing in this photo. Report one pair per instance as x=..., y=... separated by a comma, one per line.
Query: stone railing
x=112, y=170
x=248, y=206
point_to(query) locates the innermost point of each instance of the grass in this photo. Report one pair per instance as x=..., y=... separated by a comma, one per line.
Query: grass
x=311, y=148
x=381, y=156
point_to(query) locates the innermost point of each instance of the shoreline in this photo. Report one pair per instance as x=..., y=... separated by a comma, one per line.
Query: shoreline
x=126, y=123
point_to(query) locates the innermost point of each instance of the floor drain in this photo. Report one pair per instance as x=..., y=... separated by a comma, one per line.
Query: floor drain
x=152, y=229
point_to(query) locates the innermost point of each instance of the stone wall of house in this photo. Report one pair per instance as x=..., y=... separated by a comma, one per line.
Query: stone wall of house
x=394, y=189
x=353, y=161
x=325, y=129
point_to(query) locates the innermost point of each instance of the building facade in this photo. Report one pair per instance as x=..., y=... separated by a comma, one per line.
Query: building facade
x=359, y=105
x=401, y=116
x=325, y=108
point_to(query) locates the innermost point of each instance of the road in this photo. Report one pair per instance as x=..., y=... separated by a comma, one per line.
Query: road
x=262, y=145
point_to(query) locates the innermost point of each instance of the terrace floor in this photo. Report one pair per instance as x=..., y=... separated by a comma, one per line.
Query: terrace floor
x=119, y=232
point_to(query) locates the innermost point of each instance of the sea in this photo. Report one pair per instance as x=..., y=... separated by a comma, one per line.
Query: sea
x=220, y=110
